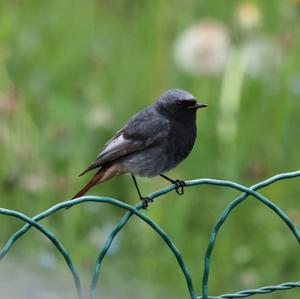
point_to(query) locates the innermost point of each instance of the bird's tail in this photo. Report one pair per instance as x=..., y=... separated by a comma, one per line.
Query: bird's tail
x=97, y=178
x=106, y=172
x=94, y=180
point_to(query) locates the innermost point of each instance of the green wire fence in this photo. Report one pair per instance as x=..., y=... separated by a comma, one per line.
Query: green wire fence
x=137, y=212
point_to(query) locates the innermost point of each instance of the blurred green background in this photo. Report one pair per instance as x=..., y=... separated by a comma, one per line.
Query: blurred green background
x=72, y=72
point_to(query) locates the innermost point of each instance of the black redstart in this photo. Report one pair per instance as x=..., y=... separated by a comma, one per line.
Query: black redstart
x=153, y=141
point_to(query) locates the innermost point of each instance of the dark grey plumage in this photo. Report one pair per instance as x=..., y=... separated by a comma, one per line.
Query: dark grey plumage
x=153, y=141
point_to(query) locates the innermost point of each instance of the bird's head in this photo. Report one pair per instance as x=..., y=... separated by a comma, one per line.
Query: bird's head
x=179, y=103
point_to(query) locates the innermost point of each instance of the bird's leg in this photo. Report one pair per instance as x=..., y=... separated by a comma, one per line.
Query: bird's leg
x=145, y=200
x=178, y=183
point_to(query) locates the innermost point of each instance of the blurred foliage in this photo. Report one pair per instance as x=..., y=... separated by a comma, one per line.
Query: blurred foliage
x=72, y=72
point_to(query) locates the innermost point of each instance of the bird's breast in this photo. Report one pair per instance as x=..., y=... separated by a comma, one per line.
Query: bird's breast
x=164, y=155
x=180, y=142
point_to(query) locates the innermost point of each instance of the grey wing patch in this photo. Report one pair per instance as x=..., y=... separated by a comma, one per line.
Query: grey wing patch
x=119, y=147
x=138, y=134
x=111, y=141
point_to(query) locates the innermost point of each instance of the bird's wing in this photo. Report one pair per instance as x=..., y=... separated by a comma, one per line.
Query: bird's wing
x=143, y=130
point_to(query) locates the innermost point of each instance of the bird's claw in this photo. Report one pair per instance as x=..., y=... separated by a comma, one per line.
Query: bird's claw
x=146, y=201
x=179, y=186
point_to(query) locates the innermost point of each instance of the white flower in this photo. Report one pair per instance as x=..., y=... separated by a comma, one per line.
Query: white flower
x=203, y=48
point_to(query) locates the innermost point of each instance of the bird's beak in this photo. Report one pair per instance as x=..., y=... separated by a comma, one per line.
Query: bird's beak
x=198, y=105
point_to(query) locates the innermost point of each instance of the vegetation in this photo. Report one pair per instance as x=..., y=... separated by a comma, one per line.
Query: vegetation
x=72, y=72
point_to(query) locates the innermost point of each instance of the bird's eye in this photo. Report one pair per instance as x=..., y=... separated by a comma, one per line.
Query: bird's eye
x=185, y=103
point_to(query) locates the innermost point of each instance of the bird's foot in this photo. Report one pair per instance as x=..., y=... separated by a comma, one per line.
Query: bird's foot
x=179, y=186
x=146, y=201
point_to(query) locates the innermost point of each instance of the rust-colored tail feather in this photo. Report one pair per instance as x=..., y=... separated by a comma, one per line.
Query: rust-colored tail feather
x=93, y=181
x=106, y=172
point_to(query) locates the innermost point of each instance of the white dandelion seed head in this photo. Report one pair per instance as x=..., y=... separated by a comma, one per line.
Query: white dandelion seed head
x=203, y=48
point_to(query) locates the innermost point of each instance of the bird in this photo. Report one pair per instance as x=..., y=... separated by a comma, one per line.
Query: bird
x=154, y=141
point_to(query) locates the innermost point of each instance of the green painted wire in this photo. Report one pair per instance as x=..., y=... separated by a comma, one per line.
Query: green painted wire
x=120, y=204
x=105, y=249
x=53, y=239
x=228, y=210
x=264, y=290
x=133, y=210
x=159, y=193
x=161, y=233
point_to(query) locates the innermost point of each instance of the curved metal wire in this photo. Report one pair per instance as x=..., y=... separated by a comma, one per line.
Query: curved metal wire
x=53, y=239
x=225, y=214
x=229, y=209
x=120, y=204
x=264, y=290
x=135, y=211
